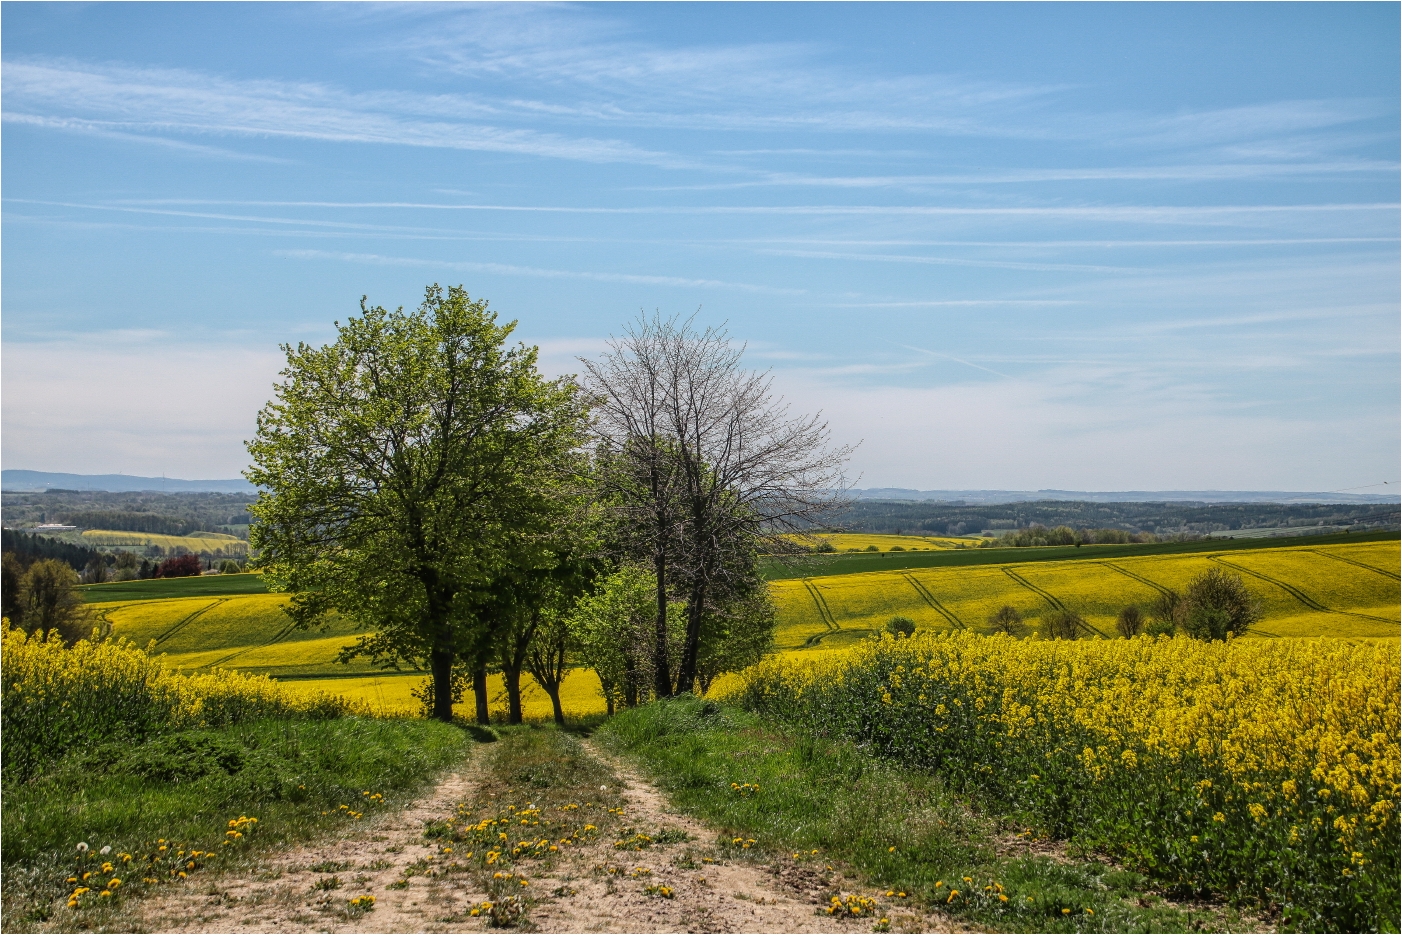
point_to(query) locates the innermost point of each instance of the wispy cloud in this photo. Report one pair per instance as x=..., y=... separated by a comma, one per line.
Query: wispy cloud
x=153, y=102
x=507, y=269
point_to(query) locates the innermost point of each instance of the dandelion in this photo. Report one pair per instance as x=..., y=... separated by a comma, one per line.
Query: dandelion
x=82, y=847
x=106, y=849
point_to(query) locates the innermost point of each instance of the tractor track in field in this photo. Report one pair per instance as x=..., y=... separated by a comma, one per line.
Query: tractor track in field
x=934, y=603
x=1340, y=558
x=277, y=637
x=186, y=621
x=1296, y=593
x=1140, y=578
x=1045, y=595
x=821, y=603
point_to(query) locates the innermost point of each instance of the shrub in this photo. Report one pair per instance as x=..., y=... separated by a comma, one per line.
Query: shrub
x=1167, y=611
x=1129, y=623
x=182, y=566
x=900, y=626
x=1006, y=619
x=825, y=546
x=1218, y=603
x=229, y=567
x=872, y=548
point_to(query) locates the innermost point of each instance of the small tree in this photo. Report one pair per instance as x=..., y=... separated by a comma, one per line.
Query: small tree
x=95, y=572
x=614, y=628
x=548, y=657
x=229, y=567
x=1218, y=604
x=1167, y=613
x=1065, y=625
x=739, y=634
x=1129, y=623
x=1006, y=619
x=900, y=627
x=50, y=602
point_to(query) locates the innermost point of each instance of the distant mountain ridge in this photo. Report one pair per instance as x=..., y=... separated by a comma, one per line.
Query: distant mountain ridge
x=20, y=481
x=1124, y=496
x=23, y=481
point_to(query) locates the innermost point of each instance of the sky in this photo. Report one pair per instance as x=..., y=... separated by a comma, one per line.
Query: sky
x=1026, y=246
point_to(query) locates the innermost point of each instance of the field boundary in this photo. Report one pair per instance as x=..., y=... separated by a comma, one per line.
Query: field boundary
x=1296, y=593
x=930, y=599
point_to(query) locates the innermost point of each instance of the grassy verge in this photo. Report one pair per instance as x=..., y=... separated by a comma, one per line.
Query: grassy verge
x=894, y=828
x=165, y=807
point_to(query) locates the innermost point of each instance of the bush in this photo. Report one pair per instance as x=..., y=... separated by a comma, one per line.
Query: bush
x=1167, y=612
x=229, y=567
x=182, y=566
x=825, y=546
x=1129, y=623
x=1218, y=603
x=872, y=548
x=900, y=626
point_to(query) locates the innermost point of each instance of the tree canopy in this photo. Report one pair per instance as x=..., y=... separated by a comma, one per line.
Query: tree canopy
x=405, y=468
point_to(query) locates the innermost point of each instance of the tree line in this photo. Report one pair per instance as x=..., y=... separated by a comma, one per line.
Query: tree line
x=422, y=477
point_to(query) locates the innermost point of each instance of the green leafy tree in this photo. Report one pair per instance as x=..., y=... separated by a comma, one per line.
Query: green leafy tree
x=738, y=634
x=1218, y=603
x=900, y=626
x=50, y=603
x=614, y=628
x=404, y=469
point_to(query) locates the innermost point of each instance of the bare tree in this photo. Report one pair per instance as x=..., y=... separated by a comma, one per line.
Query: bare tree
x=729, y=470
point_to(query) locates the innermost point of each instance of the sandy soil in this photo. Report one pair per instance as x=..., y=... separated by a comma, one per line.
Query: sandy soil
x=594, y=888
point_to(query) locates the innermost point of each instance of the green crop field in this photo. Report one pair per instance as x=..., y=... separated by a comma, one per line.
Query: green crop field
x=150, y=589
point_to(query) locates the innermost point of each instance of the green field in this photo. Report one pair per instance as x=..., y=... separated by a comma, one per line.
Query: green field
x=150, y=589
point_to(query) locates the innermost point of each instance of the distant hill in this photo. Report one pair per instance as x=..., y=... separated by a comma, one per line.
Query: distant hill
x=973, y=497
x=116, y=483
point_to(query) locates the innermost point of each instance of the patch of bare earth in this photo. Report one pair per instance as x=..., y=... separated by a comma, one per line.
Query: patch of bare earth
x=309, y=888
x=595, y=887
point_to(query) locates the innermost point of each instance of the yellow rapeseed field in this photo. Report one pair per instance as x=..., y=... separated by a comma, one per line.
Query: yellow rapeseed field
x=53, y=697
x=1335, y=590
x=862, y=541
x=1262, y=767
x=204, y=542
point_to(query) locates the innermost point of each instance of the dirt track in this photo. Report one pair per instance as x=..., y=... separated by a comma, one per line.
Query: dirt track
x=593, y=888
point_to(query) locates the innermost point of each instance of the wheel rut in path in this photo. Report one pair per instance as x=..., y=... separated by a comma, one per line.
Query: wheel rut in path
x=278, y=895
x=712, y=891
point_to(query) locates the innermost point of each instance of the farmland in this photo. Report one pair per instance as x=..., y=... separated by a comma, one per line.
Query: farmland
x=1348, y=590
x=1330, y=588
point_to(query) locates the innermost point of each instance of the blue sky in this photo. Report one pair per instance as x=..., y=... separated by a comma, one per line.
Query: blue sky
x=1002, y=246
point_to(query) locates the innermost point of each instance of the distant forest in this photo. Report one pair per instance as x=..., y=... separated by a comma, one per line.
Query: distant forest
x=169, y=514
x=1165, y=519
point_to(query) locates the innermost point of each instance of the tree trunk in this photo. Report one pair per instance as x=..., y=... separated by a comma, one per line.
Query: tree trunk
x=554, y=692
x=440, y=663
x=479, y=693
x=630, y=681
x=691, y=648
x=512, y=677
x=661, y=666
